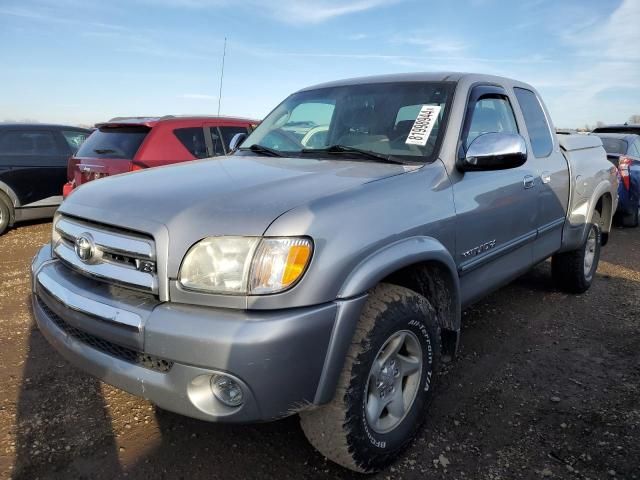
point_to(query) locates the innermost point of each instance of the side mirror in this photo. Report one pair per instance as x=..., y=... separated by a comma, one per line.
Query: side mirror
x=494, y=151
x=236, y=141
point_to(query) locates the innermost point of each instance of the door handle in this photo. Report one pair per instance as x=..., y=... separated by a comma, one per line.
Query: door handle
x=546, y=177
x=528, y=181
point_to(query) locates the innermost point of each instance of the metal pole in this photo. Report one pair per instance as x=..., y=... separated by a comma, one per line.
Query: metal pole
x=224, y=52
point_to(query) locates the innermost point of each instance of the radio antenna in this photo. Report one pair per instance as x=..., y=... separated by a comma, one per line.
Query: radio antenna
x=224, y=53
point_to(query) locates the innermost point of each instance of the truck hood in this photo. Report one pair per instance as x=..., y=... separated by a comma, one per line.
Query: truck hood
x=239, y=195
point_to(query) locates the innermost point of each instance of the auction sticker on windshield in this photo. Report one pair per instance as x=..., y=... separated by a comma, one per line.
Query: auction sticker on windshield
x=423, y=125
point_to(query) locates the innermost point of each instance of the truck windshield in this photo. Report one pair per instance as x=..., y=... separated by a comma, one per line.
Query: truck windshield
x=400, y=119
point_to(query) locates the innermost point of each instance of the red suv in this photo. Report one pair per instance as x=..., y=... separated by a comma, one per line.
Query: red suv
x=126, y=144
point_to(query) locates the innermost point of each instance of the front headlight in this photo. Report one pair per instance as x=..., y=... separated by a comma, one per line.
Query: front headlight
x=245, y=265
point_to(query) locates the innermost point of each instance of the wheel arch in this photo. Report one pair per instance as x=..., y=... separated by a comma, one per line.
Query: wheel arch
x=604, y=206
x=421, y=264
x=600, y=200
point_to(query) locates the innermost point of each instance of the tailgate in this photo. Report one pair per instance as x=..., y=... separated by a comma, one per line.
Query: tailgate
x=88, y=169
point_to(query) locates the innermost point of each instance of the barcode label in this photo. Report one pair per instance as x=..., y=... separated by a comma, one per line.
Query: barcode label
x=423, y=125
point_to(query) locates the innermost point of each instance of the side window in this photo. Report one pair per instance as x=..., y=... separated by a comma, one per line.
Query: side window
x=491, y=115
x=216, y=142
x=537, y=126
x=193, y=140
x=74, y=139
x=26, y=142
x=229, y=132
x=634, y=149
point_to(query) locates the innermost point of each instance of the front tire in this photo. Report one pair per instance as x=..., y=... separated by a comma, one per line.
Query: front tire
x=573, y=271
x=385, y=385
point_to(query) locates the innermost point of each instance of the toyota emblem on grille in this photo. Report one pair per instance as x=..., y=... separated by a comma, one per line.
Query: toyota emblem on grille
x=85, y=248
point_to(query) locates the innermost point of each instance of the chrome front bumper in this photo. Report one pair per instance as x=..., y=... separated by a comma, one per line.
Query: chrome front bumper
x=167, y=353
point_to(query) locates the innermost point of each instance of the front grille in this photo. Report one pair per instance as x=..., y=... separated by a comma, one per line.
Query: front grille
x=116, y=256
x=123, y=353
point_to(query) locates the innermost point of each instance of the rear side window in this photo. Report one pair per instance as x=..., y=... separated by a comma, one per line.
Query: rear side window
x=114, y=142
x=491, y=115
x=26, y=142
x=74, y=139
x=634, y=149
x=614, y=146
x=537, y=126
x=193, y=140
x=229, y=132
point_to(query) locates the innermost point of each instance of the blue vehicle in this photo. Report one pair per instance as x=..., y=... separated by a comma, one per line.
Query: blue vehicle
x=623, y=150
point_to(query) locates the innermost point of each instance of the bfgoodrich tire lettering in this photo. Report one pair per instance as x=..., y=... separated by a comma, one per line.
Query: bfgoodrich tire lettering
x=340, y=430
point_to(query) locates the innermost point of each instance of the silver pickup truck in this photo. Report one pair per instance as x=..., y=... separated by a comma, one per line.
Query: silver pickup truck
x=321, y=270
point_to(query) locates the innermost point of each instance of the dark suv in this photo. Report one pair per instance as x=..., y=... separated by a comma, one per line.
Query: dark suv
x=628, y=128
x=33, y=169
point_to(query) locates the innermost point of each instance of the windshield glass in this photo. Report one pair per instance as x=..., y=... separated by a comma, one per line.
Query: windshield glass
x=401, y=119
x=114, y=142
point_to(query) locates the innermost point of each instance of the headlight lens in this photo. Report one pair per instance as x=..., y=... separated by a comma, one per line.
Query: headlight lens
x=245, y=265
x=219, y=264
x=278, y=264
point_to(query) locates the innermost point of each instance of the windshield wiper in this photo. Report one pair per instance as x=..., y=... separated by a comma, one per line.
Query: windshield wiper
x=102, y=151
x=342, y=149
x=257, y=148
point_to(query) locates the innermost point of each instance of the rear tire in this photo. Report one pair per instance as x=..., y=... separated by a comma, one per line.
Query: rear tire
x=382, y=395
x=631, y=220
x=573, y=271
x=5, y=214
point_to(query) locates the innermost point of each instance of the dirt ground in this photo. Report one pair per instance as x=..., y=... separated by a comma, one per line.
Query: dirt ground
x=547, y=385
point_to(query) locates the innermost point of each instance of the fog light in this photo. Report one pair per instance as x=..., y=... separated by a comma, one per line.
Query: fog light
x=227, y=390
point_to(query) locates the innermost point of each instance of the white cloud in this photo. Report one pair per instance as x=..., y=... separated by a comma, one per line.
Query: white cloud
x=46, y=15
x=436, y=44
x=616, y=38
x=288, y=11
x=358, y=36
x=318, y=11
x=198, y=96
x=605, y=60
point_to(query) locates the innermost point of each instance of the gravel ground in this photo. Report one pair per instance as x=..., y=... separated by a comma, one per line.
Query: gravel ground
x=546, y=386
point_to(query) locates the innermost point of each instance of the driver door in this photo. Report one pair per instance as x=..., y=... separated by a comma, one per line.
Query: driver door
x=495, y=210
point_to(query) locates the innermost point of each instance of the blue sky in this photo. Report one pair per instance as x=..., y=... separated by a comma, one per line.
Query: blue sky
x=84, y=61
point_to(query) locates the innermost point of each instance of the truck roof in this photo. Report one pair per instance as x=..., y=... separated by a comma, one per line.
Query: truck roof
x=416, y=77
